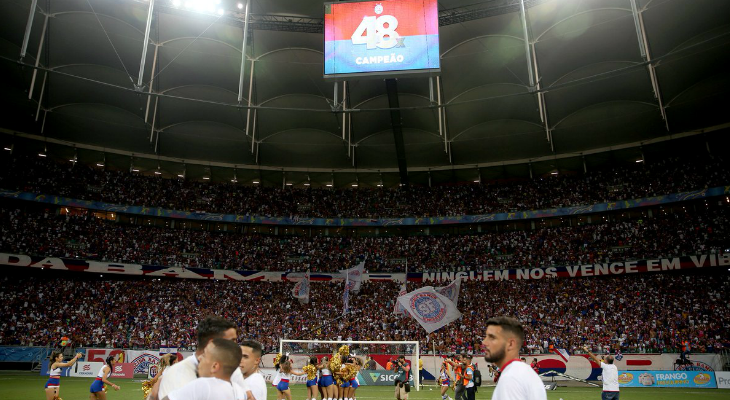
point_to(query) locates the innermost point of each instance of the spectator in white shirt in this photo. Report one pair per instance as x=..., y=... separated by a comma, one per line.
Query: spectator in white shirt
x=516, y=380
x=219, y=359
x=251, y=359
x=183, y=372
x=610, y=376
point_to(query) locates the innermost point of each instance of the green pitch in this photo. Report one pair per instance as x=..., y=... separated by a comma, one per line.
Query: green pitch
x=15, y=385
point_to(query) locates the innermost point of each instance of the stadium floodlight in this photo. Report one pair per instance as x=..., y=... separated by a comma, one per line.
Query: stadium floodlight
x=639, y=161
x=240, y=6
x=158, y=173
x=8, y=149
x=41, y=154
x=201, y=6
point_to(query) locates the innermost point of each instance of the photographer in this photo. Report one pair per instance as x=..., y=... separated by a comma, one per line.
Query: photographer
x=402, y=385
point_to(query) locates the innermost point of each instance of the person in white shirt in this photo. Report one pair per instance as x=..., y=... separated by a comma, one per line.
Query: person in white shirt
x=252, y=352
x=610, y=376
x=216, y=365
x=184, y=371
x=516, y=380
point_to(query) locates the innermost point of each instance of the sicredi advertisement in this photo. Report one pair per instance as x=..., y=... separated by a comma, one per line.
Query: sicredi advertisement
x=380, y=36
x=678, y=379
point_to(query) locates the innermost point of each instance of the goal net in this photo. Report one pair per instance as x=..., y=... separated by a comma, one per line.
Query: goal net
x=375, y=356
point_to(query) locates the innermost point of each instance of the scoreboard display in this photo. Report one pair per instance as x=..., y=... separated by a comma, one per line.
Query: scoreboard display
x=380, y=37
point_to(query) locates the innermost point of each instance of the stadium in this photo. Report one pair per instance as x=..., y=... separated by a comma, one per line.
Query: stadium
x=303, y=193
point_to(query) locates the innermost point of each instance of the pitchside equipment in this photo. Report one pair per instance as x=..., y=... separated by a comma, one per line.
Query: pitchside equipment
x=380, y=351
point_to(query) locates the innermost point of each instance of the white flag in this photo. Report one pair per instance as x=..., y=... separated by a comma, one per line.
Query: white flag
x=398, y=309
x=451, y=291
x=346, y=295
x=301, y=289
x=430, y=308
x=354, y=276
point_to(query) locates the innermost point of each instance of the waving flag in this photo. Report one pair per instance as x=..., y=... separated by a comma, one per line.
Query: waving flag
x=430, y=308
x=354, y=275
x=346, y=295
x=451, y=291
x=562, y=353
x=301, y=289
x=398, y=309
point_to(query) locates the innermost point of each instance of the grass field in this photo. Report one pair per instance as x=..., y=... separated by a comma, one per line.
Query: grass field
x=19, y=385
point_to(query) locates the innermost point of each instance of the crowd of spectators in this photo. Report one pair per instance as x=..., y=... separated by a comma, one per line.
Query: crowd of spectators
x=650, y=312
x=665, y=176
x=47, y=233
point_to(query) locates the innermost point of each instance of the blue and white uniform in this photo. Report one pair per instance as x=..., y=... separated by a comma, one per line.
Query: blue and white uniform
x=354, y=383
x=444, y=376
x=345, y=384
x=276, y=380
x=283, y=381
x=326, y=379
x=54, y=380
x=313, y=382
x=98, y=384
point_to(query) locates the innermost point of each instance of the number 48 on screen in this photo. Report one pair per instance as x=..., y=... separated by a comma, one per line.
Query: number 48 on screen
x=376, y=34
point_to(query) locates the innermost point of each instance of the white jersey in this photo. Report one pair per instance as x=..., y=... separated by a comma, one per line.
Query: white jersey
x=326, y=371
x=101, y=372
x=55, y=372
x=257, y=385
x=207, y=389
x=519, y=382
x=610, y=377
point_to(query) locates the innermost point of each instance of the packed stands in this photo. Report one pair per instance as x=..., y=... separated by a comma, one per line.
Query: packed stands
x=664, y=176
x=700, y=229
x=636, y=313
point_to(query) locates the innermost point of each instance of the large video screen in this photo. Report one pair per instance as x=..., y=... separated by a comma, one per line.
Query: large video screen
x=380, y=37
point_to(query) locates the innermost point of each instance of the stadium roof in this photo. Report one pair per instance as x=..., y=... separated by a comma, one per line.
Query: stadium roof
x=597, y=90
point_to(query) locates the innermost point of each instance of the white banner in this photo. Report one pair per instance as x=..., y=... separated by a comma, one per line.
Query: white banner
x=723, y=379
x=451, y=291
x=269, y=374
x=86, y=369
x=430, y=308
x=142, y=360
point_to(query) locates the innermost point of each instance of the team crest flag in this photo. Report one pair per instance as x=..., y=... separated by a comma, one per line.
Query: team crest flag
x=430, y=308
x=354, y=276
x=451, y=291
x=301, y=289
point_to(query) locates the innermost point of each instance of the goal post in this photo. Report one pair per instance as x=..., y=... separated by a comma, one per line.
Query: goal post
x=365, y=347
